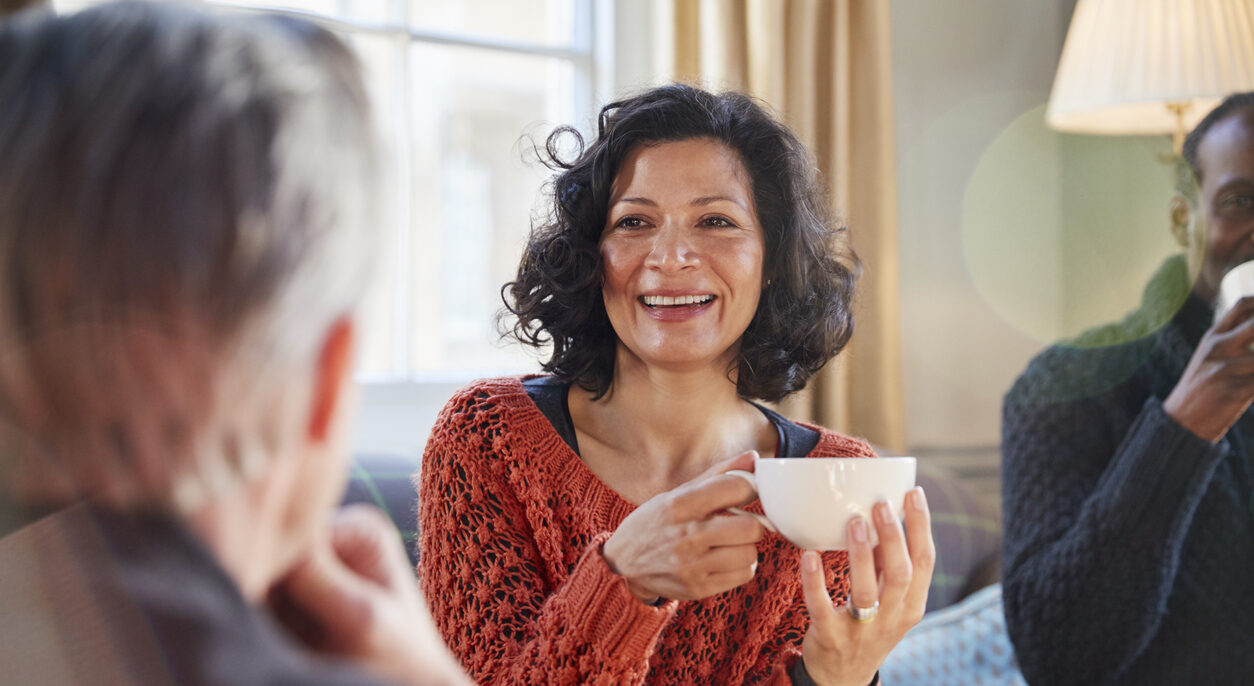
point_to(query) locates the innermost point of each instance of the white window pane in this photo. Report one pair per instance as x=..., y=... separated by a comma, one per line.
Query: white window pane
x=384, y=345
x=545, y=22
x=475, y=182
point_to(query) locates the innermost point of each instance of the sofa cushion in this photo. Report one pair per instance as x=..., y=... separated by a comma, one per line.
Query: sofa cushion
x=967, y=531
x=963, y=644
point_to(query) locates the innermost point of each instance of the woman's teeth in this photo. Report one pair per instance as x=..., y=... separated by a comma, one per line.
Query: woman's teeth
x=667, y=301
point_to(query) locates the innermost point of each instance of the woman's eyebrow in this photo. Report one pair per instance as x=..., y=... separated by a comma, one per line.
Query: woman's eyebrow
x=637, y=201
x=711, y=199
x=701, y=201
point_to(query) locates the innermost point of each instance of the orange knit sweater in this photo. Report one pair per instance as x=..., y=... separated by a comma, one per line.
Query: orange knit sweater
x=512, y=524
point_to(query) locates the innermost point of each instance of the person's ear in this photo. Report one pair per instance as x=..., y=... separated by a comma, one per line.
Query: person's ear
x=332, y=368
x=1179, y=213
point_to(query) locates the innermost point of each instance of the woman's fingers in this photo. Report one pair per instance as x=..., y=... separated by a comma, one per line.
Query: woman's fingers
x=823, y=616
x=734, y=558
x=896, y=566
x=721, y=582
x=922, y=551
x=701, y=498
x=725, y=530
x=864, y=590
x=742, y=461
x=840, y=650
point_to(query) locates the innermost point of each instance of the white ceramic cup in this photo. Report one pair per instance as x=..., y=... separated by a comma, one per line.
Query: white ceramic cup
x=1236, y=284
x=810, y=500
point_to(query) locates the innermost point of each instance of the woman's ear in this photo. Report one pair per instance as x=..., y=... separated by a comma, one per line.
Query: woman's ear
x=332, y=369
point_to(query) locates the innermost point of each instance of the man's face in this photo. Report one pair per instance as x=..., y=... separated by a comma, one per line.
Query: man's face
x=1226, y=161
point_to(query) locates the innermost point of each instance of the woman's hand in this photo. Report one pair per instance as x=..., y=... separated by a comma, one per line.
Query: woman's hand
x=678, y=546
x=841, y=650
x=355, y=595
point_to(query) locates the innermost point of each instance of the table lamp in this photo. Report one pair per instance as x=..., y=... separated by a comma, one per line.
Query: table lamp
x=1138, y=67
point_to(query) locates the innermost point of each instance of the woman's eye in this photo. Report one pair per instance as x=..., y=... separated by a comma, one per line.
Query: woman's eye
x=717, y=222
x=629, y=223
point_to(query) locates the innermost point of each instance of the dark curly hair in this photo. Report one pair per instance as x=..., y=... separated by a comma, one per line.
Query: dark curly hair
x=804, y=316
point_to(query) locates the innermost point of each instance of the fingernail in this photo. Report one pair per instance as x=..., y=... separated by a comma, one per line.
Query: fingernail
x=884, y=512
x=917, y=500
x=858, y=529
x=810, y=561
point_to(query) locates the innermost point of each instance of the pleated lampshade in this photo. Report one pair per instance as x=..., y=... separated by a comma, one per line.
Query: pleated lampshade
x=1126, y=61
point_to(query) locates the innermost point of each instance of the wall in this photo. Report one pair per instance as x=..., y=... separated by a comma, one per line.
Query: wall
x=1011, y=235
x=964, y=71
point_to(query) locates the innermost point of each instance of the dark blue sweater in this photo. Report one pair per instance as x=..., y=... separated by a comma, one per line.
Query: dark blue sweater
x=1129, y=540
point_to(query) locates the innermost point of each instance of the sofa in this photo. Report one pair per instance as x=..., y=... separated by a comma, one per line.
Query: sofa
x=962, y=638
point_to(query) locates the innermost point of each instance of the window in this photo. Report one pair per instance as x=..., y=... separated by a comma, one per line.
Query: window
x=461, y=90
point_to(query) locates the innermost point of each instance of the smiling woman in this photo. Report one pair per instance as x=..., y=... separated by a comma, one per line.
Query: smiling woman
x=575, y=527
x=807, y=284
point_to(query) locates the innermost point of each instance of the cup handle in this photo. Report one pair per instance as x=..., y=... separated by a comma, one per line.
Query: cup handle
x=753, y=483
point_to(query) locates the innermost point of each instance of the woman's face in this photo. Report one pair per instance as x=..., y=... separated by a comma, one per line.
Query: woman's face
x=682, y=251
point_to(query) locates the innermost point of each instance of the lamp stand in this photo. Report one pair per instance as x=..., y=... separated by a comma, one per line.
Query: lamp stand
x=1177, y=137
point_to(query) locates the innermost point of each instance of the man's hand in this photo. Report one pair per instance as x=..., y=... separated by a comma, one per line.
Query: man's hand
x=1218, y=384
x=354, y=595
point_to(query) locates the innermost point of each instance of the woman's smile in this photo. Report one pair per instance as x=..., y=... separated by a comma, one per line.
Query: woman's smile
x=677, y=308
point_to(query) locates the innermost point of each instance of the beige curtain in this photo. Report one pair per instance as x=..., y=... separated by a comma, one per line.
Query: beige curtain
x=824, y=66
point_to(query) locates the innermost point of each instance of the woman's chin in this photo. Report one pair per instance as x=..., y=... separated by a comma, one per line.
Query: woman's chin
x=679, y=359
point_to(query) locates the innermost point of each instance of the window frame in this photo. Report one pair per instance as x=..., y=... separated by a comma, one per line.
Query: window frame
x=395, y=415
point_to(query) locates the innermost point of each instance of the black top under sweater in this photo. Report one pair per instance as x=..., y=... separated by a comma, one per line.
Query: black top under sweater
x=551, y=396
x=1129, y=543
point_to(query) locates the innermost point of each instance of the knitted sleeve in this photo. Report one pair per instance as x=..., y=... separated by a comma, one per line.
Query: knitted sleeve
x=1099, y=494
x=507, y=613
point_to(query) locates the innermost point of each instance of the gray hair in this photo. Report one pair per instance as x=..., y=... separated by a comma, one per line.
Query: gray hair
x=184, y=199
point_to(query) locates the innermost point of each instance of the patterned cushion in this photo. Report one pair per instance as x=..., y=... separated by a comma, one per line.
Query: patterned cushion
x=964, y=644
x=967, y=531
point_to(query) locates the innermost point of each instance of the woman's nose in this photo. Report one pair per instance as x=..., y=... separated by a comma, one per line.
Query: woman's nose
x=673, y=248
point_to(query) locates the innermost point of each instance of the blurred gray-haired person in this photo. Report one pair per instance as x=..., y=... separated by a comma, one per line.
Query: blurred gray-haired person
x=185, y=238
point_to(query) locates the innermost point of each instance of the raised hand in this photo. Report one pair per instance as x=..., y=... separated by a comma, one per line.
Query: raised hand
x=355, y=595
x=1218, y=383
x=888, y=586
